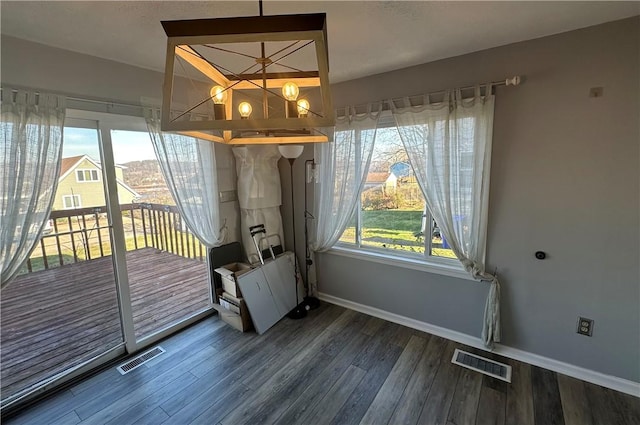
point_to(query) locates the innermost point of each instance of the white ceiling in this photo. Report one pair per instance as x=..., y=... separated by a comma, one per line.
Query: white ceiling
x=365, y=37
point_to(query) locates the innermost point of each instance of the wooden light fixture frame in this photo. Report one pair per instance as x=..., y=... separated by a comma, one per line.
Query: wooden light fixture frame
x=186, y=33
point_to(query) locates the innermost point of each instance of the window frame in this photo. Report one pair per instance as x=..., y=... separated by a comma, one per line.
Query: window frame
x=92, y=172
x=72, y=197
x=395, y=257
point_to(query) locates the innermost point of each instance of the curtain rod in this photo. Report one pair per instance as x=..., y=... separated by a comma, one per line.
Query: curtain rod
x=513, y=81
x=74, y=98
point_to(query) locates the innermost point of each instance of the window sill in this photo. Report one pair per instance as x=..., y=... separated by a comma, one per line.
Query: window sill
x=446, y=268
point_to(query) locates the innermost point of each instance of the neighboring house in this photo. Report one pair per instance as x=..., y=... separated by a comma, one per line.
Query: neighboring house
x=80, y=184
x=384, y=181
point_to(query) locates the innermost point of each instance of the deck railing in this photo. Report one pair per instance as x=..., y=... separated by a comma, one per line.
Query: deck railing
x=84, y=233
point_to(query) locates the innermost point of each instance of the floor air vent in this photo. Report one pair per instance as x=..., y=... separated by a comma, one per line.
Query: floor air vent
x=140, y=360
x=482, y=365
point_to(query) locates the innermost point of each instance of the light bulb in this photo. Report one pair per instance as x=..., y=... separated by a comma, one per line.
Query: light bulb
x=219, y=95
x=303, y=107
x=290, y=91
x=245, y=109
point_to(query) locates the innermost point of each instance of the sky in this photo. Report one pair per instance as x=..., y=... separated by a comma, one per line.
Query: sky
x=127, y=145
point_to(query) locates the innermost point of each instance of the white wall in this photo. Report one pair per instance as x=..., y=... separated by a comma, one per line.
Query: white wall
x=564, y=180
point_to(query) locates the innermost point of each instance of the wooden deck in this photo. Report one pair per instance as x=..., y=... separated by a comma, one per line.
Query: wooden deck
x=55, y=319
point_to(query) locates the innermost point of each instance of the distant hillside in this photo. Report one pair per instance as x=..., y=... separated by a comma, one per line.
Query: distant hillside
x=143, y=173
x=146, y=178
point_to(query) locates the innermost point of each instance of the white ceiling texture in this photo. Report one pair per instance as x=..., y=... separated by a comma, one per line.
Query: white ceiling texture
x=365, y=37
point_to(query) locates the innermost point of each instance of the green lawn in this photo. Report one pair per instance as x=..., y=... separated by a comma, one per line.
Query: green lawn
x=408, y=221
x=394, y=229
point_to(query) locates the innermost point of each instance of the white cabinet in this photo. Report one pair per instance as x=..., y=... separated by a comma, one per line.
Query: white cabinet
x=269, y=291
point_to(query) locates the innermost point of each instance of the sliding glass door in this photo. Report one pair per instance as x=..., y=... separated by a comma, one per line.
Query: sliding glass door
x=166, y=264
x=115, y=270
x=62, y=313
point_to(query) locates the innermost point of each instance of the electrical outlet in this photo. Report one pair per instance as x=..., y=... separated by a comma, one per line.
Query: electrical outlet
x=585, y=326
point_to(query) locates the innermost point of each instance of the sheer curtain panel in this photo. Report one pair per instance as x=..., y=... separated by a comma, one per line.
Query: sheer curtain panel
x=189, y=167
x=342, y=166
x=31, y=150
x=449, y=148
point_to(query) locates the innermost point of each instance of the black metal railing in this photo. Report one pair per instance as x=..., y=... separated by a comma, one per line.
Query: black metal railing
x=83, y=234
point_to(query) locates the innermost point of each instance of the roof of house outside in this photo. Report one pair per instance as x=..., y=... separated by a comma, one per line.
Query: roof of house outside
x=68, y=163
x=377, y=177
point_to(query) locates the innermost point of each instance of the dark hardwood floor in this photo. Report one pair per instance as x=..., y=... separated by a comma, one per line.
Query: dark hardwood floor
x=336, y=366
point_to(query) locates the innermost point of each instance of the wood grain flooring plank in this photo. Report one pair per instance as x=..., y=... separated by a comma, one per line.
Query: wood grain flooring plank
x=211, y=406
x=368, y=358
x=282, y=374
x=229, y=366
x=465, y=399
x=547, y=406
x=305, y=343
x=156, y=416
x=372, y=325
x=140, y=378
x=491, y=407
x=325, y=411
x=341, y=338
x=150, y=403
x=519, y=398
x=604, y=407
x=629, y=406
x=70, y=418
x=221, y=408
x=415, y=394
x=279, y=399
x=438, y=403
x=50, y=409
x=102, y=414
x=187, y=342
x=383, y=357
x=575, y=406
x=317, y=389
x=207, y=331
x=395, y=334
x=384, y=403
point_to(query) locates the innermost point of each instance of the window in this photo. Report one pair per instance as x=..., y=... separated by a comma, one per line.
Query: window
x=87, y=176
x=392, y=216
x=71, y=201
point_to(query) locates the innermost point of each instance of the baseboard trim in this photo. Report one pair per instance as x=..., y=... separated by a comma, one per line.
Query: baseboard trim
x=608, y=381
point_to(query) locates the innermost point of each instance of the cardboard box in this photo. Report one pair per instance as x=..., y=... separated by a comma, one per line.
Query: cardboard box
x=229, y=274
x=241, y=322
x=234, y=307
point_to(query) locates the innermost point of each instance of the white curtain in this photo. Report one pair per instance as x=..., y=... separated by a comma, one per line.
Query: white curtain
x=342, y=167
x=449, y=148
x=189, y=167
x=31, y=150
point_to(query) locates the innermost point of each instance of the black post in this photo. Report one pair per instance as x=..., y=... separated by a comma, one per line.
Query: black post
x=310, y=301
x=299, y=311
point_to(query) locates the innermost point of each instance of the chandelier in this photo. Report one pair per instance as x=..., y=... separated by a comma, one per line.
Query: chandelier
x=248, y=80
